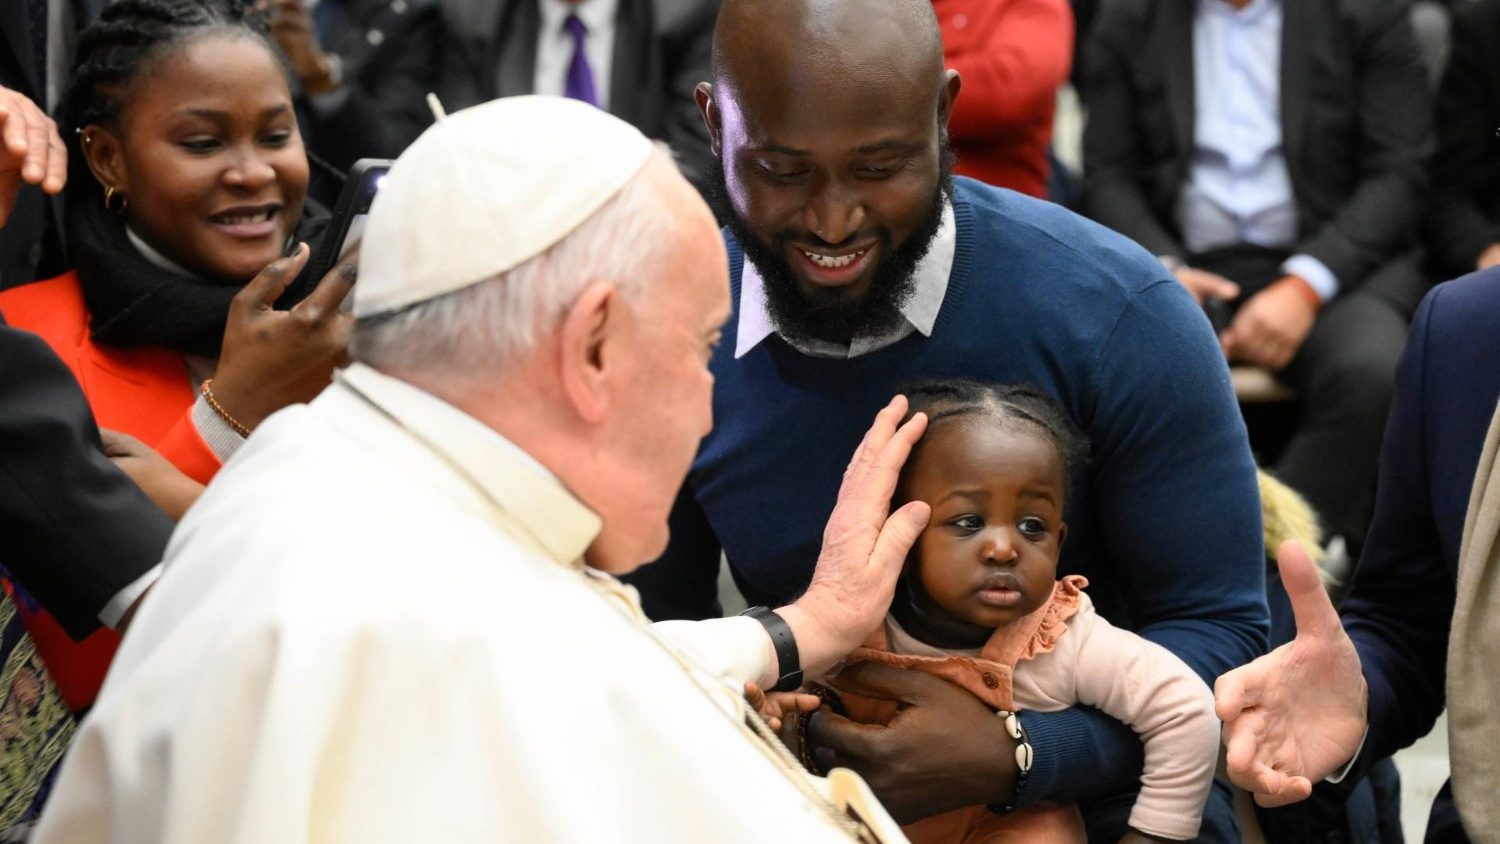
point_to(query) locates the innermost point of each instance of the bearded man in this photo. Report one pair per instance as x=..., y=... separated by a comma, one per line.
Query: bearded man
x=859, y=264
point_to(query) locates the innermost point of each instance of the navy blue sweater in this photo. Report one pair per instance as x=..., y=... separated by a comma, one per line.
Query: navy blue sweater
x=1165, y=521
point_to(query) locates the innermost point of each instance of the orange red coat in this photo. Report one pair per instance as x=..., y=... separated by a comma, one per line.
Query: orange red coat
x=144, y=392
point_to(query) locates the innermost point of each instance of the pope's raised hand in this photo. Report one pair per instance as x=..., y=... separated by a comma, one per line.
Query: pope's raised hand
x=1298, y=714
x=864, y=546
x=30, y=150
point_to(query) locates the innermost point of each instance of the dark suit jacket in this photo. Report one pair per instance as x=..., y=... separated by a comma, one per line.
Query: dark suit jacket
x=1465, y=215
x=31, y=237
x=1355, y=122
x=662, y=51
x=390, y=53
x=1400, y=606
x=74, y=530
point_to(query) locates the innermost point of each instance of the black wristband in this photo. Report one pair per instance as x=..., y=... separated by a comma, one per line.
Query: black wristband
x=788, y=661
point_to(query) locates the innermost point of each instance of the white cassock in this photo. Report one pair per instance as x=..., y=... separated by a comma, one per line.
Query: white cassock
x=376, y=626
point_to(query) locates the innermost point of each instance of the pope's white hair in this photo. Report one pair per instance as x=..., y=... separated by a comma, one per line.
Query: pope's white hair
x=478, y=330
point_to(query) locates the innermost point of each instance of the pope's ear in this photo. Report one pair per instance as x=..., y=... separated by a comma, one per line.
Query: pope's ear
x=587, y=330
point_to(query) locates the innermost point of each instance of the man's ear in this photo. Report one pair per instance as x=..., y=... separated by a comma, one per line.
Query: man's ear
x=703, y=95
x=105, y=158
x=586, y=337
x=948, y=96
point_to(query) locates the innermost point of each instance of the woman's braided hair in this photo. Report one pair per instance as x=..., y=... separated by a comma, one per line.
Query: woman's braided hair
x=114, y=49
x=1020, y=405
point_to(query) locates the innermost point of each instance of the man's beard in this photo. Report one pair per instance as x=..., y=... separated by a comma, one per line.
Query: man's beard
x=833, y=315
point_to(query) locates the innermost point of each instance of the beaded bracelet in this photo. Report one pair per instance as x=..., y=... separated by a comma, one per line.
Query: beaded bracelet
x=213, y=403
x=804, y=750
x=1023, y=760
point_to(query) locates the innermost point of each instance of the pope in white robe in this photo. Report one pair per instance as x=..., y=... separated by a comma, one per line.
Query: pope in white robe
x=387, y=621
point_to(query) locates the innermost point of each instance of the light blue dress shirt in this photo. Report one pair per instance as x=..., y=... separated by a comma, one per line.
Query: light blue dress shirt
x=1239, y=190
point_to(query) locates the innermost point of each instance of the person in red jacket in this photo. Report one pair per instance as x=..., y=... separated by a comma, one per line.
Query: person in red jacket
x=185, y=189
x=1012, y=55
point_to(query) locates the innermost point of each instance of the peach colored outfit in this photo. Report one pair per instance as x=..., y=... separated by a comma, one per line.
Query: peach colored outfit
x=1060, y=655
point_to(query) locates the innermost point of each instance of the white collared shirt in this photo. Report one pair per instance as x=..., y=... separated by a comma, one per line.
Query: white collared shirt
x=920, y=310
x=1239, y=188
x=554, y=45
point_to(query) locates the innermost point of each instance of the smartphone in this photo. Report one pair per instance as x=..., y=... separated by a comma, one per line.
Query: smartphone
x=349, y=215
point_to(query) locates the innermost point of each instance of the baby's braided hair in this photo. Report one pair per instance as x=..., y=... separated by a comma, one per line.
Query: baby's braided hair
x=114, y=49
x=1021, y=404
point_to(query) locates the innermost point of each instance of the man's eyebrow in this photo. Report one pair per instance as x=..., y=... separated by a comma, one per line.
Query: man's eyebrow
x=889, y=145
x=778, y=149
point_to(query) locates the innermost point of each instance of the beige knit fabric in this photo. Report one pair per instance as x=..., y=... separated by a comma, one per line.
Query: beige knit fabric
x=1474, y=655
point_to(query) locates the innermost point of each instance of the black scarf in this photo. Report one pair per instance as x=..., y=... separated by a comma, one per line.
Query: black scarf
x=133, y=302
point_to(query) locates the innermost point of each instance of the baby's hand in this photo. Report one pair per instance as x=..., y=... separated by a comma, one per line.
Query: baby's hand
x=774, y=706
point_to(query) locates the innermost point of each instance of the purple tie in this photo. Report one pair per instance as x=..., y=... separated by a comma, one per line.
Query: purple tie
x=580, y=84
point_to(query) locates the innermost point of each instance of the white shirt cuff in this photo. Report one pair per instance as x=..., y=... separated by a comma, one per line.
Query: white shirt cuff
x=737, y=648
x=216, y=433
x=1337, y=778
x=125, y=598
x=1315, y=272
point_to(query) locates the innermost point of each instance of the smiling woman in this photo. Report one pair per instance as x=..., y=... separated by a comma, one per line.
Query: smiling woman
x=186, y=190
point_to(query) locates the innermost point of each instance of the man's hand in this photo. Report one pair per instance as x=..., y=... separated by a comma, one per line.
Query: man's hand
x=292, y=27
x=863, y=550
x=943, y=750
x=1296, y=715
x=30, y=150
x=169, y=488
x=1205, y=285
x=1489, y=257
x=1270, y=327
x=272, y=358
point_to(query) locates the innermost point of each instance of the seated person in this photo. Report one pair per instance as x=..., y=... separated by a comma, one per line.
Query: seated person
x=1013, y=56
x=364, y=68
x=186, y=178
x=637, y=59
x=980, y=605
x=1282, y=179
x=1463, y=228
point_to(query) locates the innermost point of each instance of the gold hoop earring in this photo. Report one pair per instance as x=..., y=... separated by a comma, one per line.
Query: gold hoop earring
x=109, y=196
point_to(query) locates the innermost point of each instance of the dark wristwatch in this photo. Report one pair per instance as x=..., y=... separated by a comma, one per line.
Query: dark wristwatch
x=788, y=662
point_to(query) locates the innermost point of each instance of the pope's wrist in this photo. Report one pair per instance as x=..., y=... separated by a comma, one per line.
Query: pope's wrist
x=819, y=651
x=785, y=674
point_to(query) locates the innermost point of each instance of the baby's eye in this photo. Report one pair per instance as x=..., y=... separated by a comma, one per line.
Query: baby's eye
x=967, y=523
x=1032, y=527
